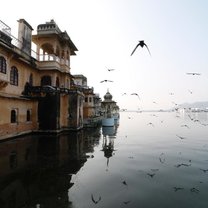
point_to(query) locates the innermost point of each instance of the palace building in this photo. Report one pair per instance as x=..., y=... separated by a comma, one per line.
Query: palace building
x=37, y=89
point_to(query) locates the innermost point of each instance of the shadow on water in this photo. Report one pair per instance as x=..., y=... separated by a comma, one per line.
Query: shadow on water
x=36, y=171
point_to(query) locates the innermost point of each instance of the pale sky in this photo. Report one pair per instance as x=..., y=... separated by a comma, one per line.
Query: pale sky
x=106, y=32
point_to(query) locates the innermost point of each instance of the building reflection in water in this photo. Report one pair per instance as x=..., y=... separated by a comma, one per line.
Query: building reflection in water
x=108, y=134
x=36, y=171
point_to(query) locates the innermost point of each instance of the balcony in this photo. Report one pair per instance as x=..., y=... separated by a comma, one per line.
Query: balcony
x=51, y=61
x=5, y=33
x=45, y=61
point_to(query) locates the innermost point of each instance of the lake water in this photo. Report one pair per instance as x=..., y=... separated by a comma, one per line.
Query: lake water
x=151, y=159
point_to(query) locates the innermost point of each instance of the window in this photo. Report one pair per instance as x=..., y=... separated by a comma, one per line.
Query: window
x=13, y=116
x=86, y=99
x=28, y=115
x=3, y=65
x=14, y=76
x=31, y=80
x=90, y=99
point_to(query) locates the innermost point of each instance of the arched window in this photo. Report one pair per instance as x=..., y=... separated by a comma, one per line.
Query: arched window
x=28, y=115
x=14, y=76
x=13, y=116
x=31, y=79
x=45, y=80
x=3, y=65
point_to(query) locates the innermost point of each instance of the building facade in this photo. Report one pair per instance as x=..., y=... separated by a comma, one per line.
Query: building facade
x=36, y=91
x=92, y=102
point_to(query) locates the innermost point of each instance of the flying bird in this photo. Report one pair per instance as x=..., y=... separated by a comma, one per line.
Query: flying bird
x=151, y=174
x=204, y=170
x=150, y=123
x=135, y=94
x=191, y=92
x=194, y=190
x=111, y=69
x=95, y=201
x=142, y=44
x=126, y=202
x=178, y=188
x=185, y=126
x=105, y=81
x=124, y=182
x=193, y=73
x=180, y=137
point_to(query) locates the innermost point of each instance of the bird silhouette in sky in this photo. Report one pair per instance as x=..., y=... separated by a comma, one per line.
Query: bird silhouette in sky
x=142, y=44
x=191, y=92
x=135, y=94
x=105, y=81
x=110, y=69
x=185, y=126
x=193, y=73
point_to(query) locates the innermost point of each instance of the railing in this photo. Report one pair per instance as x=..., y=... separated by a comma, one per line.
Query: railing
x=5, y=28
x=49, y=57
x=52, y=57
x=14, y=41
x=18, y=43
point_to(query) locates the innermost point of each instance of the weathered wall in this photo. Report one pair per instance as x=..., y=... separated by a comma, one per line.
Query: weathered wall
x=8, y=129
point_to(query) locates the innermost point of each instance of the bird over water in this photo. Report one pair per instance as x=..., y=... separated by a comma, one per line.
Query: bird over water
x=142, y=44
x=105, y=81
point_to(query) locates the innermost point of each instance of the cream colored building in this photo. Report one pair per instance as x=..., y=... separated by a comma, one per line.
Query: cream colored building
x=35, y=86
x=92, y=101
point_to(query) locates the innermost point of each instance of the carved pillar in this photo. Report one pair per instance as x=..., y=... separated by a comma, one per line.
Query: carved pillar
x=38, y=52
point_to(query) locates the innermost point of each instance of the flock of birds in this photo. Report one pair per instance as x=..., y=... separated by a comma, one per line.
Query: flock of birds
x=142, y=44
x=153, y=172
x=162, y=158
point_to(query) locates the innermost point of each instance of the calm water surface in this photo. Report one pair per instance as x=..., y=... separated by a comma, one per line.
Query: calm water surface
x=149, y=160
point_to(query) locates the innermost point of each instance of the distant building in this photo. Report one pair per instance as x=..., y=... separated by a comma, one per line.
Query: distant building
x=92, y=102
x=110, y=110
x=37, y=92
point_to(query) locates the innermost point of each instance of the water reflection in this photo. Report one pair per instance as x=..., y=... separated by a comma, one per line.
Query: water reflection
x=36, y=171
x=147, y=166
x=109, y=134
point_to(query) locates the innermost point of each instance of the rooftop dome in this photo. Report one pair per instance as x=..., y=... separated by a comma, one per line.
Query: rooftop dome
x=108, y=96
